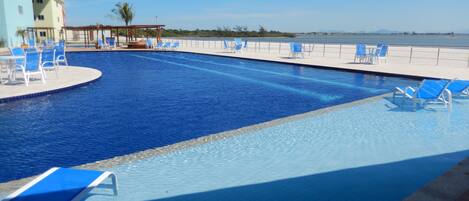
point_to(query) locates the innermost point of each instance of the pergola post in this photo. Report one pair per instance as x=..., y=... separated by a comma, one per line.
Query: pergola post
x=65, y=34
x=85, y=40
x=117, y=33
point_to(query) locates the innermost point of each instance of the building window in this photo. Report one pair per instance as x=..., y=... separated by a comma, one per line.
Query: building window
x=42, y=33
x=40, y=17
x=20, y=10
x=39, y=1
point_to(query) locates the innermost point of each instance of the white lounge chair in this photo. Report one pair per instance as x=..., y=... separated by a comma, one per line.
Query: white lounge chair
x=63, y=184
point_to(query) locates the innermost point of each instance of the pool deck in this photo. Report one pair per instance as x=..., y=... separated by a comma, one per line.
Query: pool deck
x=394, y=66
x=68, y=77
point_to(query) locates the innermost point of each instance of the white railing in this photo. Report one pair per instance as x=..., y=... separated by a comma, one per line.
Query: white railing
x=439, y=56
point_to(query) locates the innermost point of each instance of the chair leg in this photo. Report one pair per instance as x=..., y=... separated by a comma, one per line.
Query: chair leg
x=43, y=77
x=26, y=80
x=114, y=184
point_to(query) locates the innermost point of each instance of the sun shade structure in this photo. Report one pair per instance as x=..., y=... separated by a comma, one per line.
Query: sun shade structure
x=63, y=184
x=131, y=30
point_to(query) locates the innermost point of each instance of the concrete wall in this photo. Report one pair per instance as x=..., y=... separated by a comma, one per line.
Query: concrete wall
x=53, y=12
x=11, y=19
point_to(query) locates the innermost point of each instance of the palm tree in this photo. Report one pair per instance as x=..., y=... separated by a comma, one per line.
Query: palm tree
x=125, y=12
x=22, y=33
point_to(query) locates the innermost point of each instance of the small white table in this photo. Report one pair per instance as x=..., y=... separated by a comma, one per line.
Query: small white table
x=10, y=62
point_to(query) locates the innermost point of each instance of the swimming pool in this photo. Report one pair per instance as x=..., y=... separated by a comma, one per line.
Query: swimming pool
x=147, y=99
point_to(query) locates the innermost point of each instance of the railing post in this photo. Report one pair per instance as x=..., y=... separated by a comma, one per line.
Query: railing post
x=324, y=50
x=468, y=60
x=438, y=57
x=411, y=52
x=309, y=48
x=340, y=51
x=269, y=47
x=279, y=47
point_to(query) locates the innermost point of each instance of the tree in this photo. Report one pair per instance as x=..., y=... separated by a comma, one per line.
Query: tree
x=21, y=33
x=125, y=12
x=262, y=31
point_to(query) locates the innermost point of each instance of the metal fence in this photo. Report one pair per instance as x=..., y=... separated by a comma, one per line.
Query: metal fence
x=439, y=56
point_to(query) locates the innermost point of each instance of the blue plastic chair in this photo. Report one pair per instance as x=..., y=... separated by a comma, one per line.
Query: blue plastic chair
x=381, y=52
x=238, y=45
x=296, y=49
x=48, y=60
x=31, y=43
x=166, y=45
x=110, y=42
x=175, y=45
x=64, y=184
x=60, y=57
x=33, y=66
x=101, y=43
x=429, y=91
x=360, y=53
x=62, y=43
x=226, y=46
x=159, y=45
x=48, y=43
x=149, y=43
x=17, y=51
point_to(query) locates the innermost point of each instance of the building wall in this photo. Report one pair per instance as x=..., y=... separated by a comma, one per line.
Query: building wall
x=49, y=13
x=12, y=19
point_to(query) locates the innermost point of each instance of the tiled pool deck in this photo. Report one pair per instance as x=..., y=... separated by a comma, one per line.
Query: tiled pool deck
x=66, y=77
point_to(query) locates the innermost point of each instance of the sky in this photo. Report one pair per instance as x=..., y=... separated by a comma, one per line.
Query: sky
x=285, y=15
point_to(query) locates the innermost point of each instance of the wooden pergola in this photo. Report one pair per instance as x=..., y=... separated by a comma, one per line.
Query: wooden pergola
x=131, y=31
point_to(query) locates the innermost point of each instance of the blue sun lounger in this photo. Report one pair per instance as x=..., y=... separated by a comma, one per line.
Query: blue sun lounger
x=63, y=184
x=429, y=91
x=459, y=87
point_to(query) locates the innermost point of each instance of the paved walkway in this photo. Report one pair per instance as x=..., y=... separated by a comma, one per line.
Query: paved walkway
x=67, y=77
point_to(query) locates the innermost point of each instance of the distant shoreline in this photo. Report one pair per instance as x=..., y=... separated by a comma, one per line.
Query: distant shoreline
x=395, y=33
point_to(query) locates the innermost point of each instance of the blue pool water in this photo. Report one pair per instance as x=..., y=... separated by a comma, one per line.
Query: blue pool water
x=147, y=99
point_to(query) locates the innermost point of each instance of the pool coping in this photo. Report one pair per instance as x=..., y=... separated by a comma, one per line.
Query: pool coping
x=10, y=186
x=54, y=90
